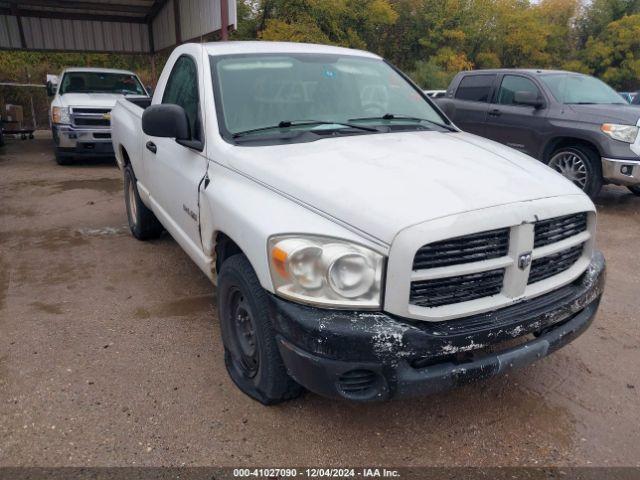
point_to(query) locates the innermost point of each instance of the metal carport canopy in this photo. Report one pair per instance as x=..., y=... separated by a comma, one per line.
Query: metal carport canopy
x=117, y=26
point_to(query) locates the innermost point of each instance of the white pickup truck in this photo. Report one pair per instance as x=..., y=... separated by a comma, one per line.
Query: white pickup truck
x=80, y=110
x=362, y=245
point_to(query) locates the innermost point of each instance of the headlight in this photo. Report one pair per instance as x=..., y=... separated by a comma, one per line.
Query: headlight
x=60, y=115
x=326, y=272
x=624, y=133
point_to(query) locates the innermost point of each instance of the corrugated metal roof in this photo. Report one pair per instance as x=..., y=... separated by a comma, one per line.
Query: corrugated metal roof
x=134, y=26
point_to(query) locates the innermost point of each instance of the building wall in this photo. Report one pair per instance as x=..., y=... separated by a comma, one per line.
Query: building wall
x=197, y=18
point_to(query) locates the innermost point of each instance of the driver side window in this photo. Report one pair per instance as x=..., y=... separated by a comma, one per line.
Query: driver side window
x=512, y=84
x=182, y=90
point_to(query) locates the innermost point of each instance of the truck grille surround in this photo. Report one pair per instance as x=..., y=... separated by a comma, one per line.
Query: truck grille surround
x=91, y=117
x=477, y=266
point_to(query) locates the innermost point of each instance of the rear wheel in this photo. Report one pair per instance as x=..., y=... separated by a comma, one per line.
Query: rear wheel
x=251, y=353
x=581, y=165
x=142, y=222
x=635, y=189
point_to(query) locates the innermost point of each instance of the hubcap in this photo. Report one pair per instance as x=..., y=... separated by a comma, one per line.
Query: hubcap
x=244, y=333
x=572, y=167
x=133, y=209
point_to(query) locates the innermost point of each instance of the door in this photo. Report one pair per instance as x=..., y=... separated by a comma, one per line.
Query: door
x=175, y=171
x=471, y=102
x=515, y=125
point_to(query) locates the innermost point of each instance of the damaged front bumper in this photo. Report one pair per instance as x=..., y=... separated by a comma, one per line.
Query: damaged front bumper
x=367, y=356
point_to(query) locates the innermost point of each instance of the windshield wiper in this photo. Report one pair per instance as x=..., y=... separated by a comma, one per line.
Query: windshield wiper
x=298, y=123
x=393, y=116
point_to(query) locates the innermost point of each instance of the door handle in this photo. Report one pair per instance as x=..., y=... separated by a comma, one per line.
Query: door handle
x=152, y=147
x=495, y=112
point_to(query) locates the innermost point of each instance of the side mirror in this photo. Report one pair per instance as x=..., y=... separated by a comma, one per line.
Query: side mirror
x=166, y=120
x=149, y=90
x=51, y=89
x=527, y=98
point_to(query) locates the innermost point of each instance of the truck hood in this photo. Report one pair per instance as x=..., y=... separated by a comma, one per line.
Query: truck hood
x=98, y=100
x=623, y=114
x=383, y=183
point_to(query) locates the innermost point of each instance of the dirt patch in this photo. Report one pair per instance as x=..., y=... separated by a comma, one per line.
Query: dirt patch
x=182, y=307
x=619, y=202
x=4, y=283
x=52, y=308
x=105, y=185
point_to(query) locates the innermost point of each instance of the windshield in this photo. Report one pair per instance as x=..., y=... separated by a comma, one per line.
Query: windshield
x=99, y=82
x=581, y=89
x=260, y=92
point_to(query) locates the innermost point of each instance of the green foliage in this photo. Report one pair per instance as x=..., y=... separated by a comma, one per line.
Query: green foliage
x=431, y=76
x=614, y=55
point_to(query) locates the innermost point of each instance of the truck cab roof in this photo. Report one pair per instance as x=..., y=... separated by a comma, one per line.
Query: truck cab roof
x=249, y=47
x=530, y=71
x=97, y=70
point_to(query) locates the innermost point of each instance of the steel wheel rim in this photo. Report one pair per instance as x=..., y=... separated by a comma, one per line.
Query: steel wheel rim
x=244, y=333
x=571, y=166
x=133, y=209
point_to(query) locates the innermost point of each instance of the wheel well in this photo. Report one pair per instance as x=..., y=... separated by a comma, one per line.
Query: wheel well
x=225, y=248
x=125, y=156
x=561, y=142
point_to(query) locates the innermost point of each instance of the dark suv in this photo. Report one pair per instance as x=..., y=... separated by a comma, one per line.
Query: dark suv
x=575, y=123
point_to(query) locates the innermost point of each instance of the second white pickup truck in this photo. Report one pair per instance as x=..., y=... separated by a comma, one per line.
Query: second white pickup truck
x=362, y=245
x=80, y=113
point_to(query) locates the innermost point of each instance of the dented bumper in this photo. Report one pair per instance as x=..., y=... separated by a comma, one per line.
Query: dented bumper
x=367, y=356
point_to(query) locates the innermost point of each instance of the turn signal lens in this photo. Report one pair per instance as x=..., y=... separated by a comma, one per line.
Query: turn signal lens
x=279, y=261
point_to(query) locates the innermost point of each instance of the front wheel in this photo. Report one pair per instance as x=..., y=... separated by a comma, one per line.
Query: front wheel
x=581, y=165
x=635, y=189
x=63, y=159
x=251, y=353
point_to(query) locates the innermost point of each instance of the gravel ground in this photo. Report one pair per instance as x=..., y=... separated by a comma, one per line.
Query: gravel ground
x=110, y=354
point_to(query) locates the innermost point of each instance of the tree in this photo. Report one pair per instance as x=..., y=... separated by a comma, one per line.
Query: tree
x=614, y=55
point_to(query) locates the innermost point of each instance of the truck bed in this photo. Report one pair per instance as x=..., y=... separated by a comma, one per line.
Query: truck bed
x=142, y=102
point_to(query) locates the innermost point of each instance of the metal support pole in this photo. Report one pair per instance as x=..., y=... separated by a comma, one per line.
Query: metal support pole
x=224, y=20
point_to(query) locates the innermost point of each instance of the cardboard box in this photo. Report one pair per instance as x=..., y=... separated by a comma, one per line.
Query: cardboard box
x=14, y=113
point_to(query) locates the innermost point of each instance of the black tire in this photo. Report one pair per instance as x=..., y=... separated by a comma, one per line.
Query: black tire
x=586, y=172
x=142, y=222
x=635, y=189
x=250, y=350
x=62, y=159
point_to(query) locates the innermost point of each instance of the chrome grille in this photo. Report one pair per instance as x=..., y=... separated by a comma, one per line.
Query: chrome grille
x=92, y=111
x=545, y=267
x=462, y=288
x=557, y=229
x=460, y=250
x=91, y=117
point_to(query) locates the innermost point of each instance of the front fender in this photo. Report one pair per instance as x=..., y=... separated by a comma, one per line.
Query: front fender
x=249, y=213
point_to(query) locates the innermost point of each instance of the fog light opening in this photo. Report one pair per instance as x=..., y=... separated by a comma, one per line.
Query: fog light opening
x=361, y=384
